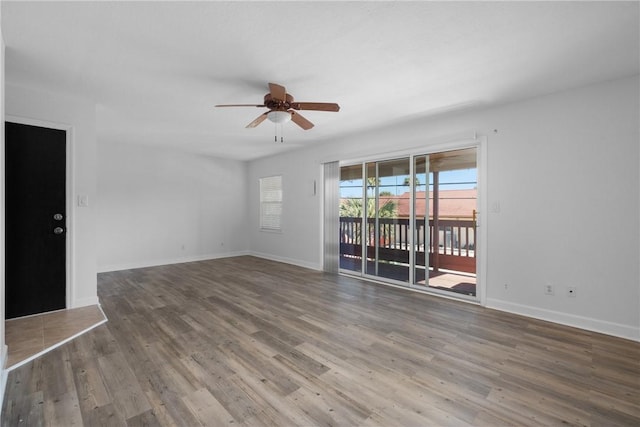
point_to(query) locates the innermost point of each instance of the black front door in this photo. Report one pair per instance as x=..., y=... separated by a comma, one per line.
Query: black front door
x=35, y=219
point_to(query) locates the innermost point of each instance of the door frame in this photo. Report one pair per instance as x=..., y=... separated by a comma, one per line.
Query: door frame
x=430, y=147
x=69, y=192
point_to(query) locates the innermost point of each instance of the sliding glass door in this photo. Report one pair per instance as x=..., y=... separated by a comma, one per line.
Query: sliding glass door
x=388, y=199
x=411, y=220
x=451, y=204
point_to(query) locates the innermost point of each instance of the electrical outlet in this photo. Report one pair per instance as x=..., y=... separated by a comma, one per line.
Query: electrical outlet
x=571, y=291
x=506, y=286
x=548, y=289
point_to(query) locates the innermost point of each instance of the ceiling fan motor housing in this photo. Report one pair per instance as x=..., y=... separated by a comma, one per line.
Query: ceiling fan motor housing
x=277, y=104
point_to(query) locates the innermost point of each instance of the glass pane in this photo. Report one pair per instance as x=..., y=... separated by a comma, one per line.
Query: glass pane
x=388, y=197
x=351, y=218
x=452, y=202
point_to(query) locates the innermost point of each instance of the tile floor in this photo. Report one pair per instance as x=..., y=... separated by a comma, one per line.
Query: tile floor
x=29, y=336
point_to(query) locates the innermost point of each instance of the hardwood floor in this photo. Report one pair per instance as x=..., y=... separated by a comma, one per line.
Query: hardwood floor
x=246, y=341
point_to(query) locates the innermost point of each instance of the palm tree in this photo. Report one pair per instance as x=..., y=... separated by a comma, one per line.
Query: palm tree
x=407, y=181
x=353, y=208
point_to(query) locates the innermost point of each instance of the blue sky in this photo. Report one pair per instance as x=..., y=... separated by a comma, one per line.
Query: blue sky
x=462, y=179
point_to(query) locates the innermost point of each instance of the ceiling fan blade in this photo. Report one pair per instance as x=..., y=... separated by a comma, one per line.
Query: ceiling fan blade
x=300, y=121
x=240, y=105
x=278, y=93
x=318, y=106
x=261, y=118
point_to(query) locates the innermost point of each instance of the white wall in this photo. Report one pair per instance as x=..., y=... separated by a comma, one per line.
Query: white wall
x=564, y=168
x=299, y=242
x=157, y=206
x=40, y=106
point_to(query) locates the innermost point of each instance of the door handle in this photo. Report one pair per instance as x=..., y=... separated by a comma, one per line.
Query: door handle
x=58, y=230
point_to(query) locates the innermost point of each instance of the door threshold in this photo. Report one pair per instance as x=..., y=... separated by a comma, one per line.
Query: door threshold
x=32, y=336
x=428, y=291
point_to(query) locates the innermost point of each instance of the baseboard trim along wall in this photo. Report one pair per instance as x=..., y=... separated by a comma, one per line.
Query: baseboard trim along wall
x=586, y=323
x=594, y=325
x=168, y=261
x=304, y=264
x=83, y=302
x=589, y=324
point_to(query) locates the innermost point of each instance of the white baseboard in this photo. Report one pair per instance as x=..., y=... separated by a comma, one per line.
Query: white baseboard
x=595, y=325
x=168, y=261
x=83, y=302
x=304, y=264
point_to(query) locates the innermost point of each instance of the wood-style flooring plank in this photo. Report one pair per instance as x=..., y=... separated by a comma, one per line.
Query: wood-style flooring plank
x=250, y=342
x=123, y=387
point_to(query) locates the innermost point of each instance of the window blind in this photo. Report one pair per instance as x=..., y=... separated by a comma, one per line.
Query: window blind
x=271, y=203
x=331, y=261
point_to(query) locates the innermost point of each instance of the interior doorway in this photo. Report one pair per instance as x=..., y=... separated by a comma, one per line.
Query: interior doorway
x=35, y=219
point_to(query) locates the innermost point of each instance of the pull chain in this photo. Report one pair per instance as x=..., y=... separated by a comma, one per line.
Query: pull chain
x=275, y=138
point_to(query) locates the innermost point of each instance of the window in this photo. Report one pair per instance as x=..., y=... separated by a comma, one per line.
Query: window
x=271, y=203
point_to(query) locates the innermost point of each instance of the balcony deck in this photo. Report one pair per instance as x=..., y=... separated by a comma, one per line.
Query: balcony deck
x=450, y=246
x=447, y=280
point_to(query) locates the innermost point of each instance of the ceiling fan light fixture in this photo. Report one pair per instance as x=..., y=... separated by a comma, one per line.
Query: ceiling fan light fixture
x=279, y=116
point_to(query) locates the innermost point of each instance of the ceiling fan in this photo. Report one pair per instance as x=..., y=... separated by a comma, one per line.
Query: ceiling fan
x=282, y=108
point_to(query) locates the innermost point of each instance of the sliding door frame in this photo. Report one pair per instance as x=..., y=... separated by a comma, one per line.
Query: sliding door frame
x=478, y=142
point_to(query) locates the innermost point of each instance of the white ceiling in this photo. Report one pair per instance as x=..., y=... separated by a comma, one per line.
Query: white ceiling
x=156, y=69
